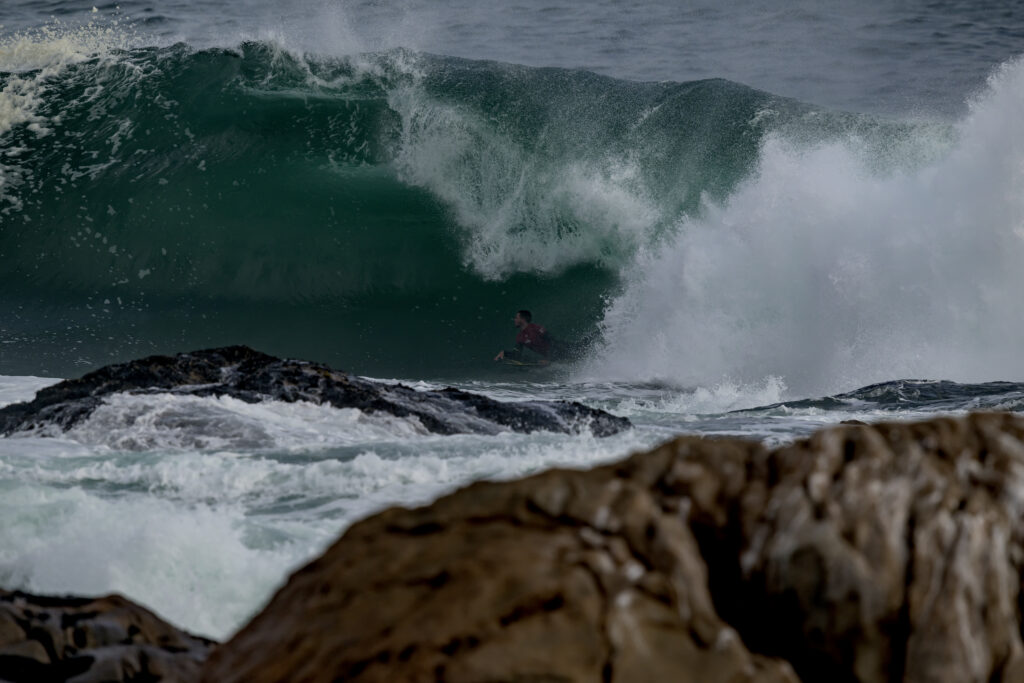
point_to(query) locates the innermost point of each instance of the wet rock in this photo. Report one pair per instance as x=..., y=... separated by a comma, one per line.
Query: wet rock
x=865, y=553
x=565, y=576
x=251, y=376
x=86, y=640
x=10, y=632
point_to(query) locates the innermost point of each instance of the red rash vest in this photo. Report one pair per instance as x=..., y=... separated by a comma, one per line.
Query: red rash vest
x=534, y=337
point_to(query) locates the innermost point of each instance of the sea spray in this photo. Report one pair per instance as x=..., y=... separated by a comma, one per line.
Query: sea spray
x=831, y=272
x=58, y=540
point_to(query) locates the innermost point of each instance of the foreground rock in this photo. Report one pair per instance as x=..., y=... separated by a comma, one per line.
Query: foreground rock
x=86, y=640
x=866, y=553
x=251, y=376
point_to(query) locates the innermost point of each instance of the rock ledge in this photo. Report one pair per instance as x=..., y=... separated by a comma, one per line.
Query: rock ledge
x=251, y=376
x=92, y=640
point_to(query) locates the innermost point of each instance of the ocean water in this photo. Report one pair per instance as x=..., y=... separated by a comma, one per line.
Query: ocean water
x=768, y=217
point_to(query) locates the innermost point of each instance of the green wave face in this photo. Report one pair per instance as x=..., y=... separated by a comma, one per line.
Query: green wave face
x=384, y=213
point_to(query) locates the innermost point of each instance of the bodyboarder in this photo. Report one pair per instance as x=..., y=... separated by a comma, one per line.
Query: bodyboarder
x=531, y=336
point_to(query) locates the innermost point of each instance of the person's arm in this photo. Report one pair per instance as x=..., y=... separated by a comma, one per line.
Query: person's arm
x=511, y=354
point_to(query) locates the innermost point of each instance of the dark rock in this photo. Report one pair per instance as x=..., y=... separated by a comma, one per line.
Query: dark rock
x=10, y=632
x=890, y=552
x=28, y=649
x=251, y=376
x=93, y=640
x=565, y=576
x=865, y=553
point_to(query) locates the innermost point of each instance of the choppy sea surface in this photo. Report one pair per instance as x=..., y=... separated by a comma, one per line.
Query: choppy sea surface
x=767, y=217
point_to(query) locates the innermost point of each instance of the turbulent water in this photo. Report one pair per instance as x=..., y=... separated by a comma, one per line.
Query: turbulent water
x=751, y=212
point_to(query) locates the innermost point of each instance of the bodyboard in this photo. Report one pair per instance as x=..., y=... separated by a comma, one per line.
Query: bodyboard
x=524, y=363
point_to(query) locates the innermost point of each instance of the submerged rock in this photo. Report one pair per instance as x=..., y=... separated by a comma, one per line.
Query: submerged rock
x=92, y=640
x=865, y=553
x=251, y=376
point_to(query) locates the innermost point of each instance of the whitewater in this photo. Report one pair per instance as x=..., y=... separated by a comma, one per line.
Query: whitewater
x=759, y=242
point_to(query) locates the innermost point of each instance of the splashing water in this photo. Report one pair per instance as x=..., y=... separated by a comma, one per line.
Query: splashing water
x=832, y=274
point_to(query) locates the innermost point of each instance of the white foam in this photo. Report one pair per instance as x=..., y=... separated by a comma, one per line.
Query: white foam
x=35, y=57
x=721, y=398
x=830, y=274
x=192, y=565
x=175, y=421
x=520, y=211
x=32, y=60
x=204, y=537
x=18, y=389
